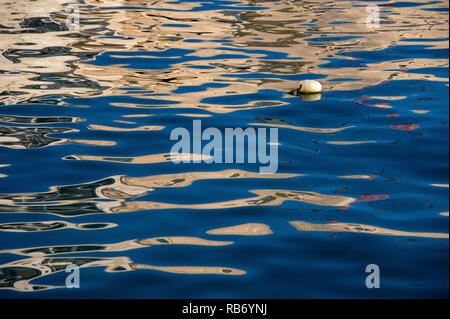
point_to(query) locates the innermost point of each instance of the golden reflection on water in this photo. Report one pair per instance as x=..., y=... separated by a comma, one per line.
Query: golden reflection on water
x=38, y=119
x=89, y=198
x=23, y=227
x=75, y=200
x=4, y=165
x=16, y=137
x=122, y=129
x=359, y=228
x=249, y=229
x=144, y=159
x=189, y=270
x=57, y=54
x=356, y=176
x=122, y=246
x=94, y=142
x=42, y=61
x=305, y=129
x=349, y=142
x=17, y=275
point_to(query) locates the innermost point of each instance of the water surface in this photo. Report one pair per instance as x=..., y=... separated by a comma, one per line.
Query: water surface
x=85, y=119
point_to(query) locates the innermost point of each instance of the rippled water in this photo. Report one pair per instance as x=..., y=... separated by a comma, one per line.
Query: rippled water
x=85, y=119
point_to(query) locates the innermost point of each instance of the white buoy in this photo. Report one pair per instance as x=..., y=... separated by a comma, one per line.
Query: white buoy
x=309, y=87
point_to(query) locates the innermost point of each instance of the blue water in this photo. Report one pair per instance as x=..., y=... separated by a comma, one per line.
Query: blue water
x=73, y=103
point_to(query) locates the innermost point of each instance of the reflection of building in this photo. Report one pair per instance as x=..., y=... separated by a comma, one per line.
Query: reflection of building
x=265, y=197
x=76, y=200
x=30, y=137
x=115, y=247
x=35, y=47
x=17, y=275
x=89, y=198
x=359, y=228
x=167, y=55
x=23, y=227
x=240, y=49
